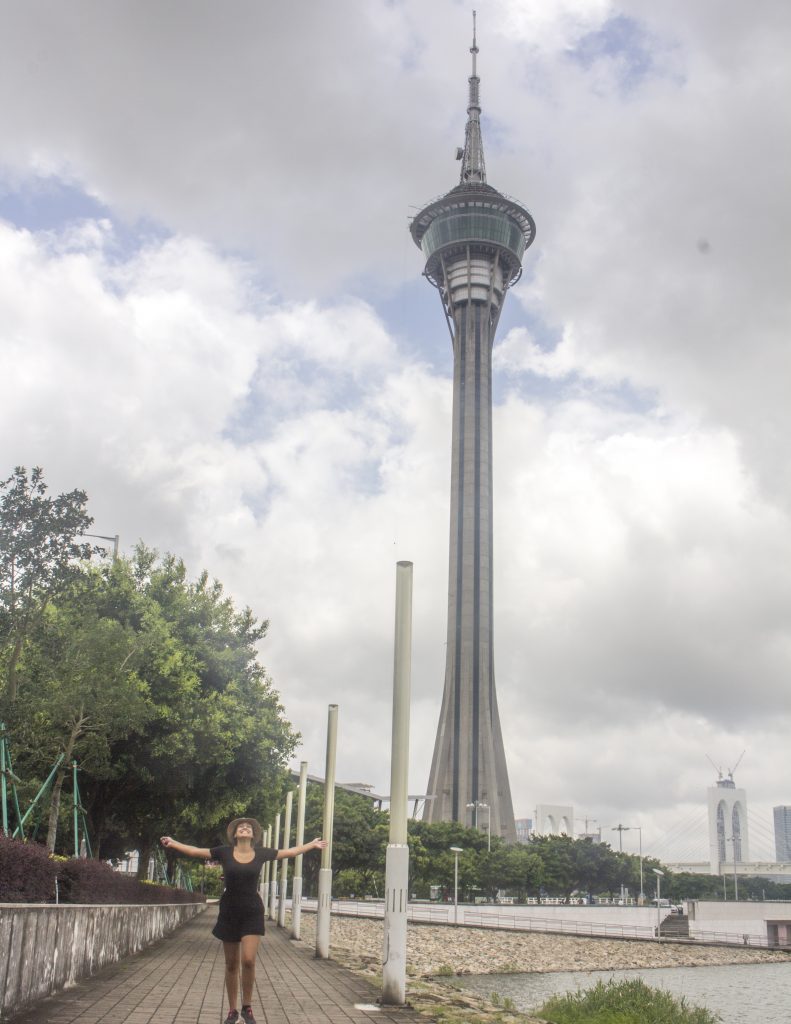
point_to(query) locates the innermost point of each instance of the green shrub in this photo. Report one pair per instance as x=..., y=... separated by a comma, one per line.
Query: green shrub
x=623, y=1002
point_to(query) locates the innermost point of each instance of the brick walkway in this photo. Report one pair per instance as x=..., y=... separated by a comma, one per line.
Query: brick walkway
x=180, y=978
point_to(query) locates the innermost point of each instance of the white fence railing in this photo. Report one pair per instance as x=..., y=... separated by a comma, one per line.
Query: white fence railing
x=474, y=917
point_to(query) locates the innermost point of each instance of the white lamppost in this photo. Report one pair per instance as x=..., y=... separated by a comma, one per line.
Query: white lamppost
x=640, y=836
x=456, y=850
x=639, y=830
x=659, y=876
x=474, y=806
x=733, y=839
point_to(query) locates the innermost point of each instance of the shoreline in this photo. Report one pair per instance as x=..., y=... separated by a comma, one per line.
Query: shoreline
x=444, y=950
x=438, y=953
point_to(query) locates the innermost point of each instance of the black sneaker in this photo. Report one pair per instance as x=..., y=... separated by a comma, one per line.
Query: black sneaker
x=247, y=1015
x=233, y=1017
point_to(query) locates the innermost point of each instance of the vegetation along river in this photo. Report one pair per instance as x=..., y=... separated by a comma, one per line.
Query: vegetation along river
x=739, y=993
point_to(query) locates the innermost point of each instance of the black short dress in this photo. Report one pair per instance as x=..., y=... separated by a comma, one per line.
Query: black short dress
x=241, y=909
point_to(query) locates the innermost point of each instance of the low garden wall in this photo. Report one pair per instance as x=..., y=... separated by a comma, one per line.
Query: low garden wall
x=45, y=948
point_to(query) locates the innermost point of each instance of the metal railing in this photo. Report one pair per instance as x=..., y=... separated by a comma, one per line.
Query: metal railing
x=472, y=917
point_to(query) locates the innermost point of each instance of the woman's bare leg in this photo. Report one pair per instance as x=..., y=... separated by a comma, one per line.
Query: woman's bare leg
x=249, y=952
x=231, y=950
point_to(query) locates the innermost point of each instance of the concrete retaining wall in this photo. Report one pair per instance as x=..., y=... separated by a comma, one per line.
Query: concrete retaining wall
x=747, y=921
x=44, y=948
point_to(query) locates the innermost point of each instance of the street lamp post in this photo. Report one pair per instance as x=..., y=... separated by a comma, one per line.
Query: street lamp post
x=474, y=806
x=620, y=829
x=456, y=850
x=640, y=836
x=659, y=876
x=735, y=878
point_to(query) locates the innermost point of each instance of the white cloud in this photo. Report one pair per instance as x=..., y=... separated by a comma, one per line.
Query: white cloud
x=242, y=412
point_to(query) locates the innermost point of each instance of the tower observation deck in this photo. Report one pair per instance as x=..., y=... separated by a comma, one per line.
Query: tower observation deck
x=473, y=240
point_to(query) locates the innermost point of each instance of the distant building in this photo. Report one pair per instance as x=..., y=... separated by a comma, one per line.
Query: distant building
x=554, y=820
x=524, y=828
x=728, y=833
x=782, y=818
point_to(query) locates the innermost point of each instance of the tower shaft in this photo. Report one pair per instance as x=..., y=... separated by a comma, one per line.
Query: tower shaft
x=473, y=239
x=469, y=760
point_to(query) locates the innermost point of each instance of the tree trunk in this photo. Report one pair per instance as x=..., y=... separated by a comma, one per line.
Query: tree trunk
x=144, y=855
x=54, y=805
x=11, y=676
x=54, y=810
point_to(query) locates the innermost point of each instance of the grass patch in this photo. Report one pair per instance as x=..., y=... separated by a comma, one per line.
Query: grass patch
x=502, y=1002
x=624, y=1002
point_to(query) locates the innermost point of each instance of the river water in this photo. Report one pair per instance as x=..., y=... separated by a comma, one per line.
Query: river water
x=739, y=993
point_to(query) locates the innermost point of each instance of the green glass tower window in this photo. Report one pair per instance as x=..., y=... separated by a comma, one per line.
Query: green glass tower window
x=472, y=227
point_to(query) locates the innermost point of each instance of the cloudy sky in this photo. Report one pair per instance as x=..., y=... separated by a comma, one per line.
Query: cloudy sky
x=212, y=318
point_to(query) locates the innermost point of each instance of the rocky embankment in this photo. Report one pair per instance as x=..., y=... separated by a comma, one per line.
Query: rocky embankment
x=437, y=951
x=441, y=949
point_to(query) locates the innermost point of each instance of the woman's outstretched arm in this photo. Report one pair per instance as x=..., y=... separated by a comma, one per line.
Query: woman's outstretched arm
x=295, y=851
x=187, y=851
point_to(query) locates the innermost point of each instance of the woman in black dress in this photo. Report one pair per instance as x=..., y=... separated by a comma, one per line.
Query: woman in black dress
x=241, y=918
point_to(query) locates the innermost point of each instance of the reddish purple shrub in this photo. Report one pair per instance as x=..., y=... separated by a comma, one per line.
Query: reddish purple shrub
x=28, y=873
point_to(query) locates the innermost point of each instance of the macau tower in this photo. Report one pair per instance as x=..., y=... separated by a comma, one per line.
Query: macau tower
x=473, y=240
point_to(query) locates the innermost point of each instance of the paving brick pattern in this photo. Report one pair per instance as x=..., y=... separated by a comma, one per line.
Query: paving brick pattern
x=180, y=979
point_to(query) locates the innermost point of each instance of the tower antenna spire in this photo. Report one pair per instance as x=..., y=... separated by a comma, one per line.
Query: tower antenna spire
x=473, y=166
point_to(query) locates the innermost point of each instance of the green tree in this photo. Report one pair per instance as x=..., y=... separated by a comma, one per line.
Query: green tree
x=359, y=842
x=84, y=693
x=216, y=744
x=435, y=862
x=517, y=869
x=39, y=559
x=581, y=865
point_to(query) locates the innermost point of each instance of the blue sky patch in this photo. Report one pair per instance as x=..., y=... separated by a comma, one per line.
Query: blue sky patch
x=625, y=43
x=51, y=204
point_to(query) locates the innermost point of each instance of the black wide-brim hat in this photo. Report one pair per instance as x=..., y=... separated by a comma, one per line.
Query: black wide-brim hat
x=258, y=832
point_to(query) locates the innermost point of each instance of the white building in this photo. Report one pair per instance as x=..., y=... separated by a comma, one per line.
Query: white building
x=554, y=820
x=782, y=823
x=728, y=832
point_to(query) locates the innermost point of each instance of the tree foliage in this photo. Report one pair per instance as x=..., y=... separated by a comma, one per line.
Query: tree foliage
x=40, y=556
x=150, y=680
x=217, y=742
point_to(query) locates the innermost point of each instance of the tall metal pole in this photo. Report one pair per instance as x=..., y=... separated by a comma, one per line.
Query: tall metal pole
x=75, y=802
x=640, y=836
x=325, y=872
x=273, y=878
x=267, y=871
x=659, y=876
x=263, y=890
x=296, y=888
x=281, y=910
x=3, y=779
x=456, y=851
x=397, y=857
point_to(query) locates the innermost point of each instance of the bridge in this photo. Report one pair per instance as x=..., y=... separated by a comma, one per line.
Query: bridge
x=774, y=871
